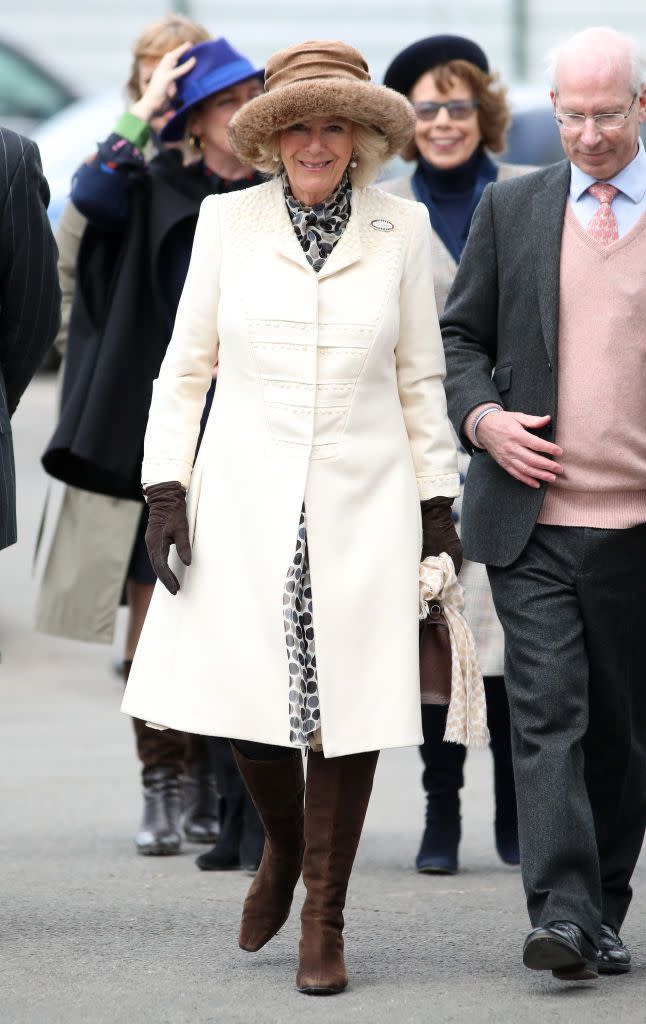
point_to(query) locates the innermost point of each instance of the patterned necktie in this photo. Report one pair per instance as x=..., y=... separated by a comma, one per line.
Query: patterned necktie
x=603, y=226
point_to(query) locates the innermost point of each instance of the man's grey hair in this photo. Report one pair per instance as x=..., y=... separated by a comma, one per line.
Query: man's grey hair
x=636, y=56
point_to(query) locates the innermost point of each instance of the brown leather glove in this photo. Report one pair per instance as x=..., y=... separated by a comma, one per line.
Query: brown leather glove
x=167, y=524
x=439, y=531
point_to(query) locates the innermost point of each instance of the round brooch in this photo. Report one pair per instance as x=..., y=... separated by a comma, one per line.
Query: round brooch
x=382, y=225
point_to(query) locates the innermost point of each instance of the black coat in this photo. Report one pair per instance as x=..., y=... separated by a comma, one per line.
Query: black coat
x=120, y=328
x=30, y=297
x=500, y=331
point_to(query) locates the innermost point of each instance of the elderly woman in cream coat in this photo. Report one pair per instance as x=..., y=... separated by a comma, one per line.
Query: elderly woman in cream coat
x=298, y=548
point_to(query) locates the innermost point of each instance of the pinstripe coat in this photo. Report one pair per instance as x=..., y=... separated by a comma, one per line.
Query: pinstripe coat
x=478, y=602
x=29, y=296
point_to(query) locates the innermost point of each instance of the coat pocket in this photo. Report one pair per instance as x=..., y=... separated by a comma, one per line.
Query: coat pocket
x=502, y=377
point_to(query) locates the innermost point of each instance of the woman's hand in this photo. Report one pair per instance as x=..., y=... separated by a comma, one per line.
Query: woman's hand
x=167, y=524
x=438, y=530
x=161, y=87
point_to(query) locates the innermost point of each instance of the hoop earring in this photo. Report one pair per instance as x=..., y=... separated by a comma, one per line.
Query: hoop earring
x=196, y=142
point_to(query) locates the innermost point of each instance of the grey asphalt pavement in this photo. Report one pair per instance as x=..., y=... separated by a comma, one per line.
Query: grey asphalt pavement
x=92, y=934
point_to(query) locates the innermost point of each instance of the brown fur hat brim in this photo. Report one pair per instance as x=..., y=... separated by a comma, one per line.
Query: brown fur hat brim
x=375, y=106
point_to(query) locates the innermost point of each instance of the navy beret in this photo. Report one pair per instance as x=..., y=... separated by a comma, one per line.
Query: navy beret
x=419, y=57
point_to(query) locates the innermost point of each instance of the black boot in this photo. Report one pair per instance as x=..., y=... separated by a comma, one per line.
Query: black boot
x=252, y=840
x=225, y=855
x=201, y=824
x=442, y=780
x=159, y=829
x=506, y=823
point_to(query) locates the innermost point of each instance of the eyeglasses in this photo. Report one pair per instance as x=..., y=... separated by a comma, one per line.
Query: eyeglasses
x=458, y=110
x=576, y=122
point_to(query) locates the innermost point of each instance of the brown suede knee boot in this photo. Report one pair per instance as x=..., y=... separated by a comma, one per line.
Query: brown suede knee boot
x=336, y=800
x=276, y=788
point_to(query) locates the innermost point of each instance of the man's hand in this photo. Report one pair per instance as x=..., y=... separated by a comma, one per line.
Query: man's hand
x=507, y=438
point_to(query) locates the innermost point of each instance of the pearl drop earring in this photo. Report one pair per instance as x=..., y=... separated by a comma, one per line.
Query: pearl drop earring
x=353, y=162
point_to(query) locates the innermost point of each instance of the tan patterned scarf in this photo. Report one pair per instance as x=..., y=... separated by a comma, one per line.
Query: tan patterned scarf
x=467, y=718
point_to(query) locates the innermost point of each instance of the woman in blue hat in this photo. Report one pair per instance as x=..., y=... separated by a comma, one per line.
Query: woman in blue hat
x=132, y=263
x=462, y=115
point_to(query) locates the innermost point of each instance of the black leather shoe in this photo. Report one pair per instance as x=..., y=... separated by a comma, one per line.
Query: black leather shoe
x=562, y=948
x=158, y=833
x=614, y=957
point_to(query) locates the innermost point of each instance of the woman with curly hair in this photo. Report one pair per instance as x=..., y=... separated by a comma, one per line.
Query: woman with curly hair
x=462, y=116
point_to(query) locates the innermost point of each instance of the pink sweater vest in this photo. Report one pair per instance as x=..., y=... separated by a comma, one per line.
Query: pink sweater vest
x=601, y=423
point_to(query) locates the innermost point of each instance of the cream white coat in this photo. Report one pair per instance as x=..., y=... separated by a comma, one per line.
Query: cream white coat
x=330, y=392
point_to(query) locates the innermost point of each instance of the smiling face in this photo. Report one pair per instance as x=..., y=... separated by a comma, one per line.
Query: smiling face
x=442, y=142
x=592, y=84
x=211, y=120
x=315, y=154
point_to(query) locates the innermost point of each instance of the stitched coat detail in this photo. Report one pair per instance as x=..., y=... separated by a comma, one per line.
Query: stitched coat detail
x=359, y=434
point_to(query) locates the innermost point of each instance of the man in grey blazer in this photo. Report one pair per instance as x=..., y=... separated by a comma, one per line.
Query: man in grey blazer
x=546, y=351
x=29, y=296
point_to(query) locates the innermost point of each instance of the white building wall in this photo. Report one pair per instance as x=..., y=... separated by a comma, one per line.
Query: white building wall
x=88, y=40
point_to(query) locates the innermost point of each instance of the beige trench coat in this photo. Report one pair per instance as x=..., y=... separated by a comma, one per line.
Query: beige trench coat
x=479, y=608
x=330, y=392
x=85, y=541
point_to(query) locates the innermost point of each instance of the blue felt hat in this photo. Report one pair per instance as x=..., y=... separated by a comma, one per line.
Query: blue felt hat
x=217, y=66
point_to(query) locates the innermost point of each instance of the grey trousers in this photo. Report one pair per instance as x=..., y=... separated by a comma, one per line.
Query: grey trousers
x=573, y=608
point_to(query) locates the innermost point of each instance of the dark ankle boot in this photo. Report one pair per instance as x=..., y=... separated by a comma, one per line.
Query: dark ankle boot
x=225, y=855
x=506, y=823
x=442, y=779
x=200, y=798
x=337, y=793
x=277, y=789
x=159, y=829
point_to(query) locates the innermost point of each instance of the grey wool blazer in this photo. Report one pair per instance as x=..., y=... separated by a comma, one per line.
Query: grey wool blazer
x=500, y=331
x=29, y=296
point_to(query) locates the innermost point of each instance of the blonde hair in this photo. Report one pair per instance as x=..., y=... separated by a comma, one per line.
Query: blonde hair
x=159, y=38
x=370, y=152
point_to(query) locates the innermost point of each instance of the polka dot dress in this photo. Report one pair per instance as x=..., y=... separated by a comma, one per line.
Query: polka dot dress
x=318, y=229
x=304, y=711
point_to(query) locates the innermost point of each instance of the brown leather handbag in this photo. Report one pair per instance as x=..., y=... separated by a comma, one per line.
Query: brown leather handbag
x=435, y=657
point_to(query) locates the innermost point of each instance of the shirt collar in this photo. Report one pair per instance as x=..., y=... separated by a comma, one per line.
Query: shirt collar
x=631, y=179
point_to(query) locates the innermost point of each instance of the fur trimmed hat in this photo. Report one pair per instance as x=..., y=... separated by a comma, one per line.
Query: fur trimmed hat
x=319, y=79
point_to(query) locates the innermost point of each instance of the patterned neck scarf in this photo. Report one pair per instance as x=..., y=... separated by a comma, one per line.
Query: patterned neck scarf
x=318, y=228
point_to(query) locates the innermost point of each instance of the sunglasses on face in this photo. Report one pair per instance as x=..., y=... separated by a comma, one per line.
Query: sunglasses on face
x=458, y=110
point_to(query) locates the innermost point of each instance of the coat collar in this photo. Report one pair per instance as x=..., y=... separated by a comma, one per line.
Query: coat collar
x=548, y=211
x=346, y=252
